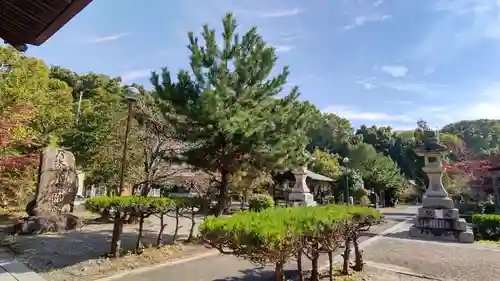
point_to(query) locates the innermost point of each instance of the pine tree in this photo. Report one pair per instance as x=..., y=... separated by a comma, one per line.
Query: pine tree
x=228, y=110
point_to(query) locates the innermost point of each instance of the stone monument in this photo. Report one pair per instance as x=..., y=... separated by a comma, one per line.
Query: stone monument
x=437, y=218
x=57, y=183
x=55, y=193
x=300, y=195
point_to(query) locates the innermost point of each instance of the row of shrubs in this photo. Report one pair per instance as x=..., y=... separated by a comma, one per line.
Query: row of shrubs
x=124, y=209
x=278, y=235
x=487, y=226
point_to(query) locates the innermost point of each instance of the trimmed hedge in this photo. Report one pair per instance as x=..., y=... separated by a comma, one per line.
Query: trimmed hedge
x=122, y=209
x=276, y=235
x=259, y=202
x=487, y=226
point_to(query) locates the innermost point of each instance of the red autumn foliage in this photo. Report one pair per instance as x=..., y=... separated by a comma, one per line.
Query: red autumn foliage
x=10, y=118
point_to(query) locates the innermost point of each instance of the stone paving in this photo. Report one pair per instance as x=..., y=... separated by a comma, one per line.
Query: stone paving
x=12, y=270
x=438, y=260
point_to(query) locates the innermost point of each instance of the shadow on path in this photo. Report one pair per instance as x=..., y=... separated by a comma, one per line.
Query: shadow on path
x=259, y=274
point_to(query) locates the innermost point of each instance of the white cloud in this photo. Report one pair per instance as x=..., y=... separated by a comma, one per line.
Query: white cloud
x=378, y=3
x=419, y=87
x=352, y=113
x=401, y=102
x=395, y=70
x=362, y=20
x=288, y=36
x=429, y=70
x=280, y=13
x=135, y=74
x=366, y=84
x=460, y=25
x=112, y=37
x=283, y=48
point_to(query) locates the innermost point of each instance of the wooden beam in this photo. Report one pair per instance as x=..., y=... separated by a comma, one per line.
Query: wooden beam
x=60, y=20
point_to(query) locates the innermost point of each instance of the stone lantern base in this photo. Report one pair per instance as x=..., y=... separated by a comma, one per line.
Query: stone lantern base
x=438, y=219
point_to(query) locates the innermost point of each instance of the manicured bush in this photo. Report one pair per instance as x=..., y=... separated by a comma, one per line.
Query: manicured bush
x=487, y=226
x=128, y=204
x=181, y=205
x=259, y=202
x=121, y=208
x=276, y=235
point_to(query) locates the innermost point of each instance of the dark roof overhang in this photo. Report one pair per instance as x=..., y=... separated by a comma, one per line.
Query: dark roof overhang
x=32, y=22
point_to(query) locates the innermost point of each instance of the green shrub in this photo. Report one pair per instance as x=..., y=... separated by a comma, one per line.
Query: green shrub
x=487, y=226
x=275, y=235
x=365, y=201
x=259, y=202
x=358, y=194
x=476, y=208
x=129, y=204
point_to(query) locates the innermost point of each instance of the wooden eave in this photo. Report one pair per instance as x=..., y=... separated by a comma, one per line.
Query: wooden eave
x=34, y=21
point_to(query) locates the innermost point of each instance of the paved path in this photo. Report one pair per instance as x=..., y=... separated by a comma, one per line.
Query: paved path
x=434, y=260
x=219, y=267
x=12, y=270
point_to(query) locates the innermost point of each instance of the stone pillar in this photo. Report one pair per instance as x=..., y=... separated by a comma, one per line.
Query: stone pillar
x=437, y=218
x=81, y=179
x=300, y=193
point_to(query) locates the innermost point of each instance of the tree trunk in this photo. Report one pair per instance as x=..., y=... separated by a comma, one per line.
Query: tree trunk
x=116, y=238
x=359, y=264
x=223, y=194
x=314, y=262
x=193, y=224
x=279, y=272
x=330, y=265
x=138, y=245
x=159, y=239
x=299, y=265
x=176, y=231
x=346, y=255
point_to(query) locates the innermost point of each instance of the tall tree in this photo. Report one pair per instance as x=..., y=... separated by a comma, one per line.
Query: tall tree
x=35, y=110
x=229, y=110
x=96, y=138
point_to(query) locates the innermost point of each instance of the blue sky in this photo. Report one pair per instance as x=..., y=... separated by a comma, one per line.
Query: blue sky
x=372, y=61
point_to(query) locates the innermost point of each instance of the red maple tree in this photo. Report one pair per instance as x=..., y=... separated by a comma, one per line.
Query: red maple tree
x=10, y=119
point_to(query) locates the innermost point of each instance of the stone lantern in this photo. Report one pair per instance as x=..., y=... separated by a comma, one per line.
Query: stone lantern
x=300, y=195
x=437, y=217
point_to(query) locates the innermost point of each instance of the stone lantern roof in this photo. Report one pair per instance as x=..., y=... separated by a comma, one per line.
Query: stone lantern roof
x=431, y=144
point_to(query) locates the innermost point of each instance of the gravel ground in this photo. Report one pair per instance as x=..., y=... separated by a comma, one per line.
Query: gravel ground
x=78, y=255
x=447, y=261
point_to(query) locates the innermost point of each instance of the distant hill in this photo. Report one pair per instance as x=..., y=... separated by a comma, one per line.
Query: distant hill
x=481, y=136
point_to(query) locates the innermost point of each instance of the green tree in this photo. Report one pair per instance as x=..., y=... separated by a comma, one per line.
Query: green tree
x=229, y=110
x=96, y=138
x=382, y=174
x=325, y=164
x=333, y=134
x=34, y=111
x=481, y=136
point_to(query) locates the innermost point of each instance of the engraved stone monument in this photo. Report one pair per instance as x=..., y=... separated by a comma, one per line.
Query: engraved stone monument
x=57, y=183
x=437, y=217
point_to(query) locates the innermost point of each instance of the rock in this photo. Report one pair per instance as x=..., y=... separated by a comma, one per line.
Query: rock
x=44, y=224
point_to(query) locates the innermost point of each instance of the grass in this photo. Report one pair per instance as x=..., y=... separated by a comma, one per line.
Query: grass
x=489, y=242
